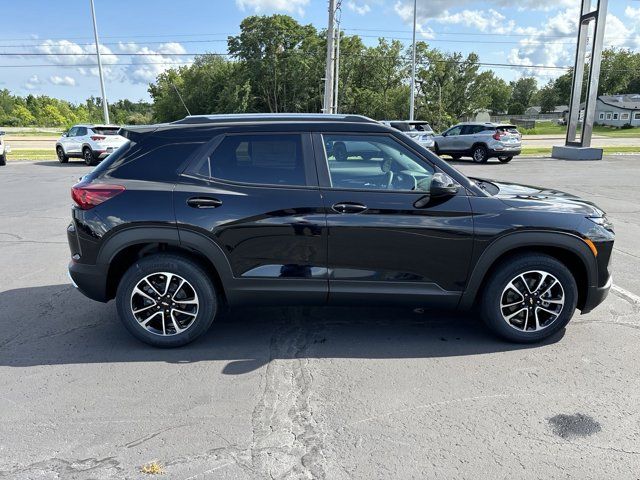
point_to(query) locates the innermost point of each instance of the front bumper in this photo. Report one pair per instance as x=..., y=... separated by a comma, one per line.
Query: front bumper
x=596, y=295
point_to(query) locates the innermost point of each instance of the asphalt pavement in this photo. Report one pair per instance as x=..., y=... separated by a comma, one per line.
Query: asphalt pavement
x=295, y=393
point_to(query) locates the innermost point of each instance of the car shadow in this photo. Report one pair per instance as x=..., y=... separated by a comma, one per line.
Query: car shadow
x=55, y=163
x=55, y=324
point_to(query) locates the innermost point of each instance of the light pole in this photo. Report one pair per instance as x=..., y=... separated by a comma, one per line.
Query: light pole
x=328, y=83
x=412, y=99
x=337, y=79
x=105, y=106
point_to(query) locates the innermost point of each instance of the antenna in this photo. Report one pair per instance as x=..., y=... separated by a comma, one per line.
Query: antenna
x=180, y=97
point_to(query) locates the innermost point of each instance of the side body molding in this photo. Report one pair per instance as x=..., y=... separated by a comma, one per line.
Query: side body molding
x=537, y=238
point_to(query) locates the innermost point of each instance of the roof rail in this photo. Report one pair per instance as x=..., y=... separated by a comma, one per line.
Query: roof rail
x=273, y=117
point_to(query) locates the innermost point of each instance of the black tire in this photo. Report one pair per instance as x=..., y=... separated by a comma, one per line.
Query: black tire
x=436, y=149
x=479, y=154
x=175, y=264
x=3, y=160
x=89, y=157
x=62, y=158
x=455, y=157
x=505, y=159
x=506, y=272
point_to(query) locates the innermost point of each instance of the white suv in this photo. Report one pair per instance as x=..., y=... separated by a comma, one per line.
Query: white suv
x=92, y=143
x=4, y=149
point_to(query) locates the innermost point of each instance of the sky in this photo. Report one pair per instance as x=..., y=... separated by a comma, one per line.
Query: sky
x=141, y=38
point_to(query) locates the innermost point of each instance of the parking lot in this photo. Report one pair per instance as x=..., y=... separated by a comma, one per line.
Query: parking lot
x=335, y=393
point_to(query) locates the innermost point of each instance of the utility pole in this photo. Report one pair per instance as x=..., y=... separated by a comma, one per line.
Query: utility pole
x=105, y=106
x=412, y=99
x=337, y=79
x=328, y=76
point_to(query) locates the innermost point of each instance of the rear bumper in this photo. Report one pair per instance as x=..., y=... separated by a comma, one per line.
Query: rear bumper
x=596, y=295
x=91, y=280
x=506, y=151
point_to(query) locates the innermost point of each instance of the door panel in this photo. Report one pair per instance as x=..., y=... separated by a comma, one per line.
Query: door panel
x=383, y=248
x=274, y=237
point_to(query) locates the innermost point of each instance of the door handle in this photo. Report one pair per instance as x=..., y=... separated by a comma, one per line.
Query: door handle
x=204, y=202
x=349, y=207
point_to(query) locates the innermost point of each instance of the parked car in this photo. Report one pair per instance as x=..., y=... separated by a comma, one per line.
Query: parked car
x=480, y=141
x=419, y=131
x=92, y=143
x=4, y=149
x=214, y=211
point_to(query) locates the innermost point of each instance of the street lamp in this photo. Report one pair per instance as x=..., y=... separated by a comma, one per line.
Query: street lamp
x=105, y=107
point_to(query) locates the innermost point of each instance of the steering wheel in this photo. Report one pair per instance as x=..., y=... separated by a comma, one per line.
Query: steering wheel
x=389, y=180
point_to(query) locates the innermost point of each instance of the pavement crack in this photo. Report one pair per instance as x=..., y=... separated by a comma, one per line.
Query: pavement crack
x=146, y=438
x=287, y=443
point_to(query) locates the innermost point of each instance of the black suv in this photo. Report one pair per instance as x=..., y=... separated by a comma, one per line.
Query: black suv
x=214, y=211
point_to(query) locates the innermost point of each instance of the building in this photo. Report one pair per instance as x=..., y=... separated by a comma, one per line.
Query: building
x=618, y=110
x=537, y=111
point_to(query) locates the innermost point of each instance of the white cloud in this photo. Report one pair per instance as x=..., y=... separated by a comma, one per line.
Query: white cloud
x=33, y=83
x=632, y=13
x=65, y=52
x=147, y=64
x=260, y=6
x=65, y=80
x=541, y=48
x=359, y=8
x=490, y=20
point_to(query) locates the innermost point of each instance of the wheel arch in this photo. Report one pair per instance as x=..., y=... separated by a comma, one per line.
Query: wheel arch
x=567, y=248
x=124, y=248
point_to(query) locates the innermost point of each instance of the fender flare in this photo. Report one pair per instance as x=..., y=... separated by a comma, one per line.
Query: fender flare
x=185, y=239
x=566, y=241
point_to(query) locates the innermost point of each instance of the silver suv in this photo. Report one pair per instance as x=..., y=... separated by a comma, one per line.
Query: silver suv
x=419, y=131
x=480, y=141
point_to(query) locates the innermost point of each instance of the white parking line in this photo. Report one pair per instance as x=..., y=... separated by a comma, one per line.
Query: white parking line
x=626, y=294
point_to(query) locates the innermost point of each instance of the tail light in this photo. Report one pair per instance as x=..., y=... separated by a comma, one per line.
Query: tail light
x=97, y=138
x=88, y=196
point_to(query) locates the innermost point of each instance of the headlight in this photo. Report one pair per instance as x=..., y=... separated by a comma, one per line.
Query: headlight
x=603, y=221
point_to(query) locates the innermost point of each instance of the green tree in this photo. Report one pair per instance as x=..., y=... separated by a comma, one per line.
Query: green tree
x=523, y=91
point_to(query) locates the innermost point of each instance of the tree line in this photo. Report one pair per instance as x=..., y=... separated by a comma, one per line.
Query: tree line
x=276, y=64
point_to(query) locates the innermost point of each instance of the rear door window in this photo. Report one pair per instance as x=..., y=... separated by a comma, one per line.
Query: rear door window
x=81, y=132
x=262, y=159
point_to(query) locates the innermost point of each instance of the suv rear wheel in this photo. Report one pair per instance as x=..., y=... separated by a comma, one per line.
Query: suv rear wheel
x=89, y=157
x=3, y=160
x=479, y=154
x=166, y=300
x=505, y=158
x=529, y=299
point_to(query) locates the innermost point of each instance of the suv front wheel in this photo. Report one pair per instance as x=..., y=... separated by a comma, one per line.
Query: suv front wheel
x=166, y=300
x=529, y=298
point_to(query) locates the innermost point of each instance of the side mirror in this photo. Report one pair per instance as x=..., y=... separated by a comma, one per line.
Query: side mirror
x=442, y=186
x=444, y=134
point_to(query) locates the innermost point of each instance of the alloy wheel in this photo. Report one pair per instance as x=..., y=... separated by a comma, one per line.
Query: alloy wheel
x=479, y=155
x=532, y=301
x=164, y=304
